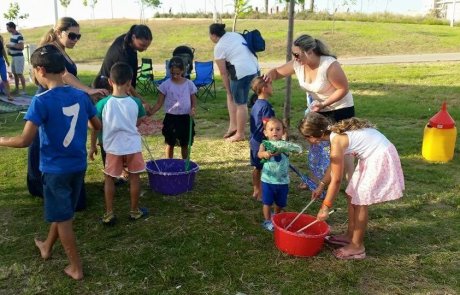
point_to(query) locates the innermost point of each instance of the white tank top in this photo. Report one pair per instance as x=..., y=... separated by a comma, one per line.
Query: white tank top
x=364, y=142
x=320, y=88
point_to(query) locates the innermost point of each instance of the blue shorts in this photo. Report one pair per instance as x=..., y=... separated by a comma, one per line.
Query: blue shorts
x=61, y=192
x=3, y=70
x=253, y=151
x=240, y=89
x=274, y=193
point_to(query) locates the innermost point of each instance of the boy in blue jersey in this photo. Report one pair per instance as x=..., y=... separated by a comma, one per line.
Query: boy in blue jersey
x=61, y=116
x=261, y=111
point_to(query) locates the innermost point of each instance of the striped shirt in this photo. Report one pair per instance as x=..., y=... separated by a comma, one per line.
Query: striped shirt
x=16, y=39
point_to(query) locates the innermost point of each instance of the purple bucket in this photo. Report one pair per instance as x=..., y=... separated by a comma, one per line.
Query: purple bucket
x=168, y=176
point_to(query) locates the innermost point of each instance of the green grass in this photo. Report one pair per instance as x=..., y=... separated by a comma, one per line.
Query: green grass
x=346, y=38
x=209, y=241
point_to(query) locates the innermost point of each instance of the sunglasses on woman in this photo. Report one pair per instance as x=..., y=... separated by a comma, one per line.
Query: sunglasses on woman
x=73, y=36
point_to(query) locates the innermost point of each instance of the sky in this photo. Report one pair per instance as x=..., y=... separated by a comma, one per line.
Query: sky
x=42, y=12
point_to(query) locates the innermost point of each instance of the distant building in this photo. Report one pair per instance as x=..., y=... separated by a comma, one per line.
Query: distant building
x=446, y=8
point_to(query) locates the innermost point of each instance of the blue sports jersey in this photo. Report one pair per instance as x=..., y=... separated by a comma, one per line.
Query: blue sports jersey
x=261, y=110
x=62, y=114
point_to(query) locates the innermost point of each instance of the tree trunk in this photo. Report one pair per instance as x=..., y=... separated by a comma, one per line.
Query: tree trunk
x=266, y=6
x=312, y=5
x=287, y=100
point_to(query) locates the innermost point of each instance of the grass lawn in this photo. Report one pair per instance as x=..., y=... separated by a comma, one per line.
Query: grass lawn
x=209, y=241
x=346, y=38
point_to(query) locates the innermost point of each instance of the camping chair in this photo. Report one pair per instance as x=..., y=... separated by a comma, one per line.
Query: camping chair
x=204, y=80
x=167, y=74
x=145, y=81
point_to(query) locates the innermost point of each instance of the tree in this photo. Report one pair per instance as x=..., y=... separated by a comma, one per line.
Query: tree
x=312, y=6
x=13, y=13
x=241, y=7
x=289, y=40
x=266, y=6
x=65, y=4
x=147, y=3
x=92, y=4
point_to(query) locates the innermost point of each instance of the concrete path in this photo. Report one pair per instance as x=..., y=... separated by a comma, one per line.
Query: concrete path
x=363, y=60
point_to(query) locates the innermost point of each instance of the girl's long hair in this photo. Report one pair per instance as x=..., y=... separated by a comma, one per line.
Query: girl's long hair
x=316, y=125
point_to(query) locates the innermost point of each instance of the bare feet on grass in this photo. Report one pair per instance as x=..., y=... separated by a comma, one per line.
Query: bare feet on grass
x=74, y=273
x=44, y=252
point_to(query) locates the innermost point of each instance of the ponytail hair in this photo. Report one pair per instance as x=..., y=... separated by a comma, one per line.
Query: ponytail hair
x=63, y=24
x=140, y=31
x=307, y=42
x=217, y=29
x=316, y=125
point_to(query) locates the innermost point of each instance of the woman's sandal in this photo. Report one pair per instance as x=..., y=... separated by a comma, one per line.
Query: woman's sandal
x=336, y=240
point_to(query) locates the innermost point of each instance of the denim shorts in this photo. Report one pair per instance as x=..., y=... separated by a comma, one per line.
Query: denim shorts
x=276, y=193
x=240, y=89
x=61, y=192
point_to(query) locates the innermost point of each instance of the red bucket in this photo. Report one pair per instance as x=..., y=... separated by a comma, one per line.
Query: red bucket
x=307, y=243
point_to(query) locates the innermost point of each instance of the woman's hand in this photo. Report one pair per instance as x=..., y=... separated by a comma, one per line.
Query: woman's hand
x=316, y=106
x=98, y=92
x=270, y=76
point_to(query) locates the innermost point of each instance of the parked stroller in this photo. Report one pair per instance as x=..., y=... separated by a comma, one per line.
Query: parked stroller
x=187, y=55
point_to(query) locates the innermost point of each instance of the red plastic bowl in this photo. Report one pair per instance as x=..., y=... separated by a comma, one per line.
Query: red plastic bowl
x=304, y=244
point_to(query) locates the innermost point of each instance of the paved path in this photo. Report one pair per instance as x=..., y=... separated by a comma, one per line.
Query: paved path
x=383, y=59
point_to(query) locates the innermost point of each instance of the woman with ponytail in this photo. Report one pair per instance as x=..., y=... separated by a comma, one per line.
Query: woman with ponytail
x=125, y=48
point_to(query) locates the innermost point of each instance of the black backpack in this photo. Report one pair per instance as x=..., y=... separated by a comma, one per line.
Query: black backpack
x=254, y=41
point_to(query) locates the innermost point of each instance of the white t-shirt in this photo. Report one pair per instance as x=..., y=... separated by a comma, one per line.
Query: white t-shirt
x=230, y=47
x=320, y=88
x=119, y=131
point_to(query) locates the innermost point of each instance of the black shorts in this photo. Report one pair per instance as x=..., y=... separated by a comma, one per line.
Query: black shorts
x=340, y=114
x=176, y=129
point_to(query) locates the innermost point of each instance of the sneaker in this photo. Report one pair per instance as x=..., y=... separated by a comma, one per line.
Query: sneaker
x=139, y=213
x=268, y=225
x=108, y=219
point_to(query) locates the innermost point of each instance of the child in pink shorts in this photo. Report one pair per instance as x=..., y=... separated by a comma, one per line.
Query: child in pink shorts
x=120, y=114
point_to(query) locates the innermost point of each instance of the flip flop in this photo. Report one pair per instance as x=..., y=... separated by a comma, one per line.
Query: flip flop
x=339, y=254
x=335, y=240
x=229, y=134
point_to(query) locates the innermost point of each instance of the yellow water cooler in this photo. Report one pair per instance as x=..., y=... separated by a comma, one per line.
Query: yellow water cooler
x=439, y=137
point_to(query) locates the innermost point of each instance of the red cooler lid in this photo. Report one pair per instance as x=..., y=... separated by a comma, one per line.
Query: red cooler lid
x=442, y=120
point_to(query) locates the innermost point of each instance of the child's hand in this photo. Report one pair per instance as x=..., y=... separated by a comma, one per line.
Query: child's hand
x=323, y=213
x=317, y=192
x=92, y=151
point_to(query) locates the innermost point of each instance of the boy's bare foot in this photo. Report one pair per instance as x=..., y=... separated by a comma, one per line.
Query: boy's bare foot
x=45, y=254
x=73, y=273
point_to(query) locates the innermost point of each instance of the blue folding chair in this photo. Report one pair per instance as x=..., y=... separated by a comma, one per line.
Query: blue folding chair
x=167, y=74
x=204, y=80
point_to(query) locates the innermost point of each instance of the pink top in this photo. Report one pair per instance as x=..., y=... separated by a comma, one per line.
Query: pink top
x=177, y=96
